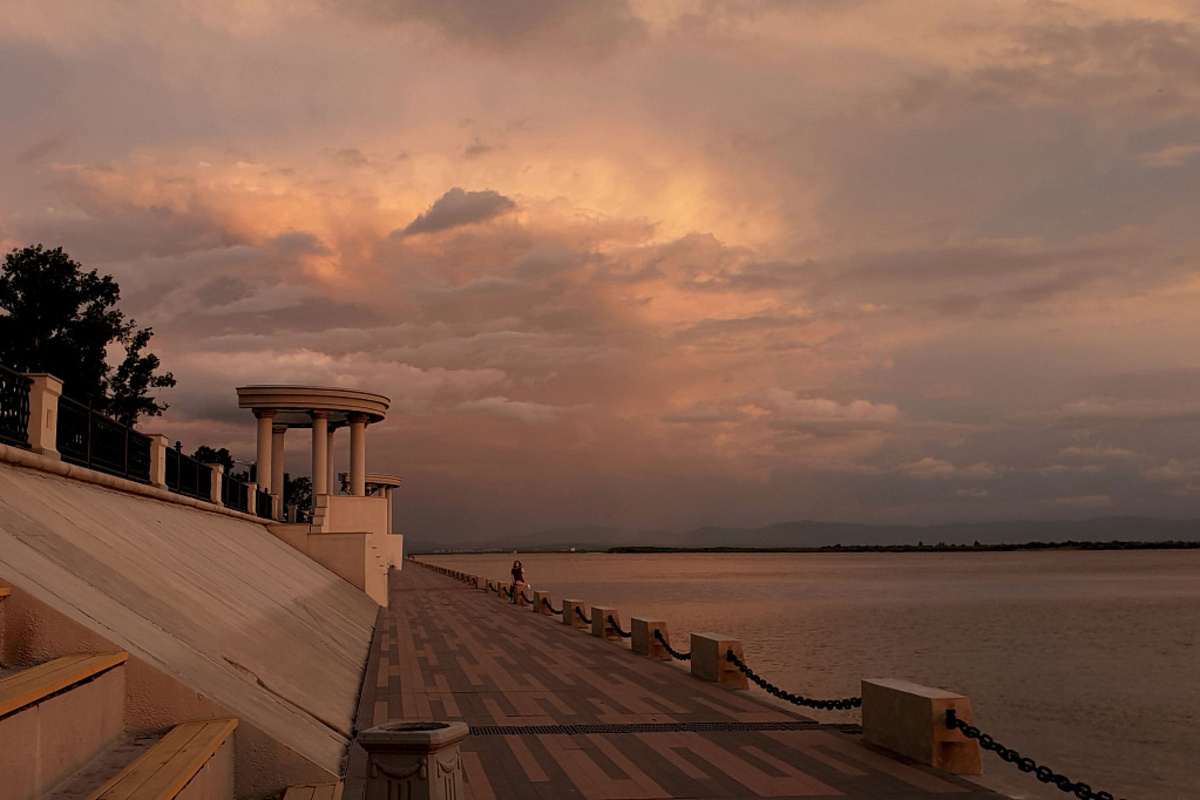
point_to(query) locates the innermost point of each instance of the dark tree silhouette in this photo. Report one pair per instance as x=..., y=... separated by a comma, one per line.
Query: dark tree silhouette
x=60, y=319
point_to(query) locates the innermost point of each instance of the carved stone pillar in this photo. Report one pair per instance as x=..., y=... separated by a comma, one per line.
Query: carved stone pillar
x=414, y=760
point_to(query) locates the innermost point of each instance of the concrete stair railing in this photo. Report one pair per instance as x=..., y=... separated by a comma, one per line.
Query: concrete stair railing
x=55, y=717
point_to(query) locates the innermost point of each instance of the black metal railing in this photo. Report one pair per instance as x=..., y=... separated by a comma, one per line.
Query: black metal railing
x=88, y=438
x=14, y=407
x=235, y=494
x=264, y=504
x=187, y=476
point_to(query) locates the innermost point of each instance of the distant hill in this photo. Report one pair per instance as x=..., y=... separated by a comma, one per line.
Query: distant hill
x=807, y=533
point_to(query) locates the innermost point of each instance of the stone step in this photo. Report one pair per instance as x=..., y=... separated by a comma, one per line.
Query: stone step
x=331, y=790
x=55, y=717
x=193, y=755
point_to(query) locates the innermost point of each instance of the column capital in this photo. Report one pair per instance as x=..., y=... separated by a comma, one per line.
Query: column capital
x=358, y=417
x=265, y=413
x=319, y=414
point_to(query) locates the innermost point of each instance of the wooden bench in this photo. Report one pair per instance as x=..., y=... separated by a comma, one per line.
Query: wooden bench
x=314, y=791
x=166, y=768
x=30, y=686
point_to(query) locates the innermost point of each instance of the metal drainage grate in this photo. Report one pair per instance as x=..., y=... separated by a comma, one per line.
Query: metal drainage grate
x=638, y=727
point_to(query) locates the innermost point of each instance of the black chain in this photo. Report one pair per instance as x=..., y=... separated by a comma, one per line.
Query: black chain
x=617, y=628
x=525, y=597
x=546, y=603
x=1007, y=754
x=844, y=704
x=674, y=653
x=579, y=611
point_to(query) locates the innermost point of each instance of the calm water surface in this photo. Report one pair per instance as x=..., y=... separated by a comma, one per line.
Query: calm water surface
x=1087, y=662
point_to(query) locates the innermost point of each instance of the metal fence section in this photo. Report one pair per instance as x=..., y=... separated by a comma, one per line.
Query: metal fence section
x=88, y=438
x=14, y=407
x=264, y=504
x=235, y=494
x=187, y=476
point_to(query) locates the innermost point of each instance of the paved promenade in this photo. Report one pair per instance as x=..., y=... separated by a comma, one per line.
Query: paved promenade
x=447, y=652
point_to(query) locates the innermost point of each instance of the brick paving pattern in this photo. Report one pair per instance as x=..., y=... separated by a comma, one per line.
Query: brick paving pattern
x=443, y=651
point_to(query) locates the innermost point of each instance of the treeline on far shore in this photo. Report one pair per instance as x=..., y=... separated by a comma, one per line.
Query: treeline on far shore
x=921, y=547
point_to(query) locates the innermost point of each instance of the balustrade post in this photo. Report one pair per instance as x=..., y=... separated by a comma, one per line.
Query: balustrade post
x=644, y=642
x=414, y=760
x=214, y=490
x=43, y=413
x=710, y=664
x=252, y=498
x=910, y=719
x=159, y=444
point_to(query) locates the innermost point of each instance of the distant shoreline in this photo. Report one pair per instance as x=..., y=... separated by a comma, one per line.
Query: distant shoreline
x=941, y=547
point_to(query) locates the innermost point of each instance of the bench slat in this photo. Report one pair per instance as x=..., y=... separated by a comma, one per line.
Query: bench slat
x=166, y=768
x=331, y=790
x=29, y=686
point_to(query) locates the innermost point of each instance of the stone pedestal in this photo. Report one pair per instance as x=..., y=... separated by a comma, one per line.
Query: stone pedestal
x=643, y=642
x=540, y=599
x=910, y=719
x=414, y=760
x=709, y=663
x=570, y=617
x=600, y=624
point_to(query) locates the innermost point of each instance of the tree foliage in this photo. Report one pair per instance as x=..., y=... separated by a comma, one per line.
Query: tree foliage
x=61, y=320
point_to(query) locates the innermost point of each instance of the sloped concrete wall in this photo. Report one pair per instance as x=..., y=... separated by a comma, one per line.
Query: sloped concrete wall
x=215, y=602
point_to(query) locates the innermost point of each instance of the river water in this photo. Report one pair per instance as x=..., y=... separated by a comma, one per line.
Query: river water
x=1088, y=662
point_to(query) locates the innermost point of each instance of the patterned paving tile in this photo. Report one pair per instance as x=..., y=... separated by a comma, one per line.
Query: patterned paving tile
x=445, y=651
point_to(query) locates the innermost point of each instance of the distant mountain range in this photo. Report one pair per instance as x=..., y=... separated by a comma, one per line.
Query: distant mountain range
x=820, y=534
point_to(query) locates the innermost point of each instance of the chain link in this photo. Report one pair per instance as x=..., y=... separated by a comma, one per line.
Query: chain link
x=525, y=597
x=1023, y=763
x=674, y=653
x=617, y=628
x=546, y=603
x=579, y=611
x=844, y=704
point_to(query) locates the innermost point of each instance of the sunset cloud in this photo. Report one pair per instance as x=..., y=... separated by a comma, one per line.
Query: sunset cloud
x=653, y=264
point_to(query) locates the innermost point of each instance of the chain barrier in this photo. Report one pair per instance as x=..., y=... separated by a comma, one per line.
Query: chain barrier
x=546, y=603
x=579, y=611
x=674, y=653
x=1025, y=764
x=844, y=704
x=617, y=628
x=525, y=597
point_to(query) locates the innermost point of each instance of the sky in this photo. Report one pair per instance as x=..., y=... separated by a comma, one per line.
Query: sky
x=649, y=263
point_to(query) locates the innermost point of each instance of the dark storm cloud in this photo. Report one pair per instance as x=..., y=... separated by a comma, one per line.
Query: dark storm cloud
x=457, y=207
x=581, y=28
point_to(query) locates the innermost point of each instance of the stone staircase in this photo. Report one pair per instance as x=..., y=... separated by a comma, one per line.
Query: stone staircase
x=64, y=736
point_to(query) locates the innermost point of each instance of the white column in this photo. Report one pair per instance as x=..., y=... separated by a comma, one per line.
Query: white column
x=263, y=464
x=320, y=458
x=278, y=432
x=329, y=474
x=358, y=454
x=43, y=413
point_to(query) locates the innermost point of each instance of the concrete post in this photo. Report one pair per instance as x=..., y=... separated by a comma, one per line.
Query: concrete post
x=158, y=459
x=278, y=433
x=43, y=413
x=251, y=498
x=522, y=592
x=600, y=624
x=263, y=464
x=643, y=642
x=358, y=454
x=329, y=473
x=320, y=443
x=540, y=599
x=709, y=662
x=214, y=489
x=414, y=760
x=910, y=719
x=569, y=615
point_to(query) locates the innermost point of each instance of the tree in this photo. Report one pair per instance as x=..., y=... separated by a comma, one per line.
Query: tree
x=298, y=491
x=60, y=319
x=207, y=455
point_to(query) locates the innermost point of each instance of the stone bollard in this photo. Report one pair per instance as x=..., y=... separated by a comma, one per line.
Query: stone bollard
x=600, y=624
x=709, y=662
x=569, y=615
x=643, y=641
x=910, y=719
x=522, y=596
x=540, y=601
x=414, y=760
